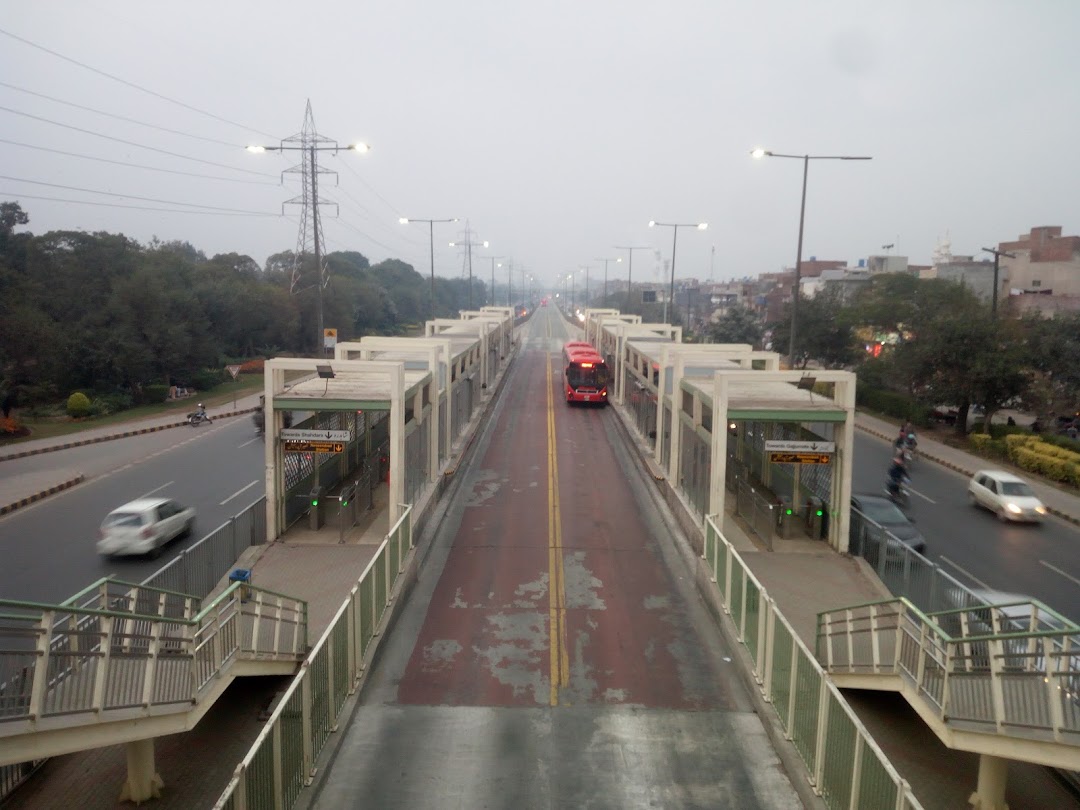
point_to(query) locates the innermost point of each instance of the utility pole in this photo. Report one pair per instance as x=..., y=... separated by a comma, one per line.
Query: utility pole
x=308, y=142
x=997, y=256
x=468, y=244
x=630, y=269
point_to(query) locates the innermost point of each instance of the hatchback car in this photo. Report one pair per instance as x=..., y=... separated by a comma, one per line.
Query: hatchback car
x=888, y=515
x=1007, y=496
x=144, y=526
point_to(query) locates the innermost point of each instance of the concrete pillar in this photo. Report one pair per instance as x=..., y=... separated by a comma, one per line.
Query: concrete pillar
x=993, y=776
x=143, y=781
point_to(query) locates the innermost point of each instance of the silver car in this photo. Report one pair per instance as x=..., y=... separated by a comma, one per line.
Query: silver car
x=1006, y=495
x=144, y=526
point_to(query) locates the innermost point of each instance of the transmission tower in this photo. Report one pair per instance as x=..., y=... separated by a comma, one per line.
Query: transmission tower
x=467, y=244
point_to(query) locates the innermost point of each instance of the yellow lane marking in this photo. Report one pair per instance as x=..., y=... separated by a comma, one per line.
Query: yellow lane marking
x=560, y=656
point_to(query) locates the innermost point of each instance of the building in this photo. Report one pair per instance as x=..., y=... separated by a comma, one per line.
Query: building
x=1046, y=266
x=978, y=276
x=848, y=280
x=887, y=264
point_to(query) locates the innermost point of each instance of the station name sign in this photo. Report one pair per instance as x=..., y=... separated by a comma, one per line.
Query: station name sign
x=297, y=435
x=792, y=452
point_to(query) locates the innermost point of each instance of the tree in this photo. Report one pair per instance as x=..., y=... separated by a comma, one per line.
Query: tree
x=738, y=325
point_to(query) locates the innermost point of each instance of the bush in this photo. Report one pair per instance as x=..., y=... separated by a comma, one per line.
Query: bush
x=78, y=405
x=153, y=394
x=1055, y=452
x=111, y=403
x=252, y=366
x=208, y=379
x=1061, y=441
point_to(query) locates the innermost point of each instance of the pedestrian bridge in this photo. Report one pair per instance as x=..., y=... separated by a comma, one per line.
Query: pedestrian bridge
x=1002, y=681
x=125, y=663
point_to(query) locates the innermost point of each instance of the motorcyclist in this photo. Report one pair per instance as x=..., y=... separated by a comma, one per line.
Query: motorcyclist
x=897, y=475
x=200, y=412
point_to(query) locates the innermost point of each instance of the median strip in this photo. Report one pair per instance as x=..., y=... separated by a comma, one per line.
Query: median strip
x=42, y=494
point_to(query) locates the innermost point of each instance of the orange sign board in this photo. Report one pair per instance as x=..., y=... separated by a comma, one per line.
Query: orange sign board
x=313, y=447
x=800, y=458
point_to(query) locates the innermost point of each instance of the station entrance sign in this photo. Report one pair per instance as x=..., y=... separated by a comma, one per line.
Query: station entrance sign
x=313, y=447
x=791, y=452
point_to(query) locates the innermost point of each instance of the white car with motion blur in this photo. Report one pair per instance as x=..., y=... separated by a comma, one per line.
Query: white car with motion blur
x=144, y=526
x=1006, y=495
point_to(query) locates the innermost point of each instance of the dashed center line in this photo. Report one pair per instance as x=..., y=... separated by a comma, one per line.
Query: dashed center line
x=239, y=492
x=158, y=489
x=1057, y=570
x=965, y=572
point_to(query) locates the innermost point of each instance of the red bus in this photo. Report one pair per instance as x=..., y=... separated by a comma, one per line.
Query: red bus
x=585, y=374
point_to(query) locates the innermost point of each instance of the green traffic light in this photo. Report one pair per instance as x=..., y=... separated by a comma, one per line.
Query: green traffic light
x=789, y=511
x=820, y=513
x=314, y=503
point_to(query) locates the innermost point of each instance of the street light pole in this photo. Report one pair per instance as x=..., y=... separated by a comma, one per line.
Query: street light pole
x=630, y=268
x=605, y=261
x=997, y=255
x=431, y=242
x=492, y=292
x=468, y=244
x=760, y=153
x=675, y=227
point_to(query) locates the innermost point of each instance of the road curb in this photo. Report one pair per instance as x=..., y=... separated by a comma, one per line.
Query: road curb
x=1074, y=519
x=45, y=493
x=113, y=436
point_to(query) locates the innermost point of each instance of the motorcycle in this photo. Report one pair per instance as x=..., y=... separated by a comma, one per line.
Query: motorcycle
x=197, y=418
x=898, y=493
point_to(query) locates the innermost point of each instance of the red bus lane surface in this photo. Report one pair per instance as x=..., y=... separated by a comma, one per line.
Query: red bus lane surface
x=556, y=591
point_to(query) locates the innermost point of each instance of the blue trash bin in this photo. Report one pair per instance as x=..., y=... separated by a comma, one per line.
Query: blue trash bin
x=242, y=575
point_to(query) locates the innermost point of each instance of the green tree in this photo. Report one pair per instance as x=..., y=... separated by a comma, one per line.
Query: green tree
x=738, y=325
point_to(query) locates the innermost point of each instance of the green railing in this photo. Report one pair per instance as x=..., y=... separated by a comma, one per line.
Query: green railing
x=282, y=760
x=845, y=765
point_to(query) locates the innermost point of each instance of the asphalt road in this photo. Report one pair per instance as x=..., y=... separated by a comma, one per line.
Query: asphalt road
x=971, y=544
x=49, y=548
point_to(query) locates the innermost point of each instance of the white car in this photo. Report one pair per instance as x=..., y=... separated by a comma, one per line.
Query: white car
x=1007, y=496
x=144, y=526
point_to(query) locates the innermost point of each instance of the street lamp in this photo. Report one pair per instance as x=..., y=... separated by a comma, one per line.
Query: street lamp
x=675, y=228
x=586, y=268
x=469, y=244
x=431, y=238
x=605, y=261
x=760, y=153
x=630, y=268
x=493, y=266
x=308, y=146
x=997, y=260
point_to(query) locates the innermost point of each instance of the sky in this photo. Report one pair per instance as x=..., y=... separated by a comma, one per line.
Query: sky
x=557, y=129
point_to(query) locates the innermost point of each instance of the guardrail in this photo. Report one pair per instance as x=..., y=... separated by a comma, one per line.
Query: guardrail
x=975, y=666
x=68, y=660
x=281, y=761
x=845, y=765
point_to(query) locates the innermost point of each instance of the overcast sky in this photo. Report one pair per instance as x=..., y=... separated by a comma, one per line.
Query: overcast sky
x=559, y=129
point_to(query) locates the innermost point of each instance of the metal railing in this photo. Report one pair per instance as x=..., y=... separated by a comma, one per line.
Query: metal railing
x=845, y=765
x=985, y=667
x=281, y=762
x=68, y=660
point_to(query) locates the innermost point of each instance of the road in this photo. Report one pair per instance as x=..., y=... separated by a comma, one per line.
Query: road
x=555, y=652
x=48, y=548
x=972, y=544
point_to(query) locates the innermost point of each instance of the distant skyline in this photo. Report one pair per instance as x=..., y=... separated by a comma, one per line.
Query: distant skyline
x=558, y=130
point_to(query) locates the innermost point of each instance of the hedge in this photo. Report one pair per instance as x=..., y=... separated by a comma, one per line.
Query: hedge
x=1053, y=468
x=893, y=404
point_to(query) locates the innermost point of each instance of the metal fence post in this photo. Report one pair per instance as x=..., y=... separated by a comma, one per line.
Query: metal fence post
x=308, y=763
x=822, y=733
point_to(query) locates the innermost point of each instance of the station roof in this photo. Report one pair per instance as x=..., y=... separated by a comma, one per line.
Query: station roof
x=764, y=399
x=348, y=391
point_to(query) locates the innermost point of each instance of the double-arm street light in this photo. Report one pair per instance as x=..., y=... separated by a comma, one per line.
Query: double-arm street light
x=675, y=228
x=630, y=268
x=493, y=266
x=308, y=144
x=431, y=237
x=760, y=153
x=997, y=254
x=606, y=261
x=586, y=268
x=469, y=244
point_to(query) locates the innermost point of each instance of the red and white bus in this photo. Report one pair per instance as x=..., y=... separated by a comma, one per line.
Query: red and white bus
x=585, y=374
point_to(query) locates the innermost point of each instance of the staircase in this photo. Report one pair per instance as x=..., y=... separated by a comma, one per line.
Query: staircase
x=1000, y=680
x=121, y=662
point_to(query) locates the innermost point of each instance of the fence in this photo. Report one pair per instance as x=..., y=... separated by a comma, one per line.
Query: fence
x=281, y=762
x=758, y=511
x=845, y=765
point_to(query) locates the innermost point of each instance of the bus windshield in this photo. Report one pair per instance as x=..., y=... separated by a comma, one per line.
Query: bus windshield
x=594, y=375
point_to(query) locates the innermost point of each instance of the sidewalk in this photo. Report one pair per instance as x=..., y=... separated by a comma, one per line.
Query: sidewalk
x=1060, y=502
x=23, y=489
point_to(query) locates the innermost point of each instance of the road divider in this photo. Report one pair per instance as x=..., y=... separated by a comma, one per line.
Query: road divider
x=42, y=494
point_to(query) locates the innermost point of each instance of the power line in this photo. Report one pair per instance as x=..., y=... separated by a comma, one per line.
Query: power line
x=121, y=117
x=138, y=165
x=221, y=212
x=130, y=84
x=369, y=187
x=133, y=143
x=115, y=194
x=371, y=217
